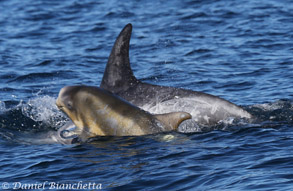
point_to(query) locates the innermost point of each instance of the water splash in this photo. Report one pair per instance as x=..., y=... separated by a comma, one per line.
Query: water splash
x=38, y=121
x=189, y=126
x=2, y=107
x=279, y=104
x=43, y=109
x=278, y=111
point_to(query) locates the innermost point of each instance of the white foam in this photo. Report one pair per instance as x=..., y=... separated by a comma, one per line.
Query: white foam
x=43, y=109
x=2, y=107
x=189, y=126
x=280, y=104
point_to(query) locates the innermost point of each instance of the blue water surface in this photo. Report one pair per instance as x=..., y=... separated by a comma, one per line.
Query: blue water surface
x=238, y=50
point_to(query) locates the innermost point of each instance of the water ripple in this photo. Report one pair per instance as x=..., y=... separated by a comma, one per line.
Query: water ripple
x=241, y=51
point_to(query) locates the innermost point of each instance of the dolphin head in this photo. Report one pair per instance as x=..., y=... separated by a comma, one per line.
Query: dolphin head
x=69, y=102
x=65, y=101
x=82, y=105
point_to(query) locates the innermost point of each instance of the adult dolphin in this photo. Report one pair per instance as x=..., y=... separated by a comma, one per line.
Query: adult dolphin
x=97, y=112
x=118, y=78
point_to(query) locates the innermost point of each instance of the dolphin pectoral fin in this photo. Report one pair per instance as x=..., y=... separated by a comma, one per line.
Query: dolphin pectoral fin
x=118, y=75
x=172, y=120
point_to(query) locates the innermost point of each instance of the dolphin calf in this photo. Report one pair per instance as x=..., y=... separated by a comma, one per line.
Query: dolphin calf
x=97, y=112
x=206, y=109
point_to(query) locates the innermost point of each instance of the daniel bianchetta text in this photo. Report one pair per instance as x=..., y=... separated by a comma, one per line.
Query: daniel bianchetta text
x=52, y=186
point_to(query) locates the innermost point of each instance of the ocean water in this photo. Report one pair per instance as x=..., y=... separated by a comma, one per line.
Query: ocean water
x=239, y=50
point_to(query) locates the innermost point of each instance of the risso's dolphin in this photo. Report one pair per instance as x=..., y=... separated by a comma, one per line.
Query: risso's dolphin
x=206, y=110
x=97, y=112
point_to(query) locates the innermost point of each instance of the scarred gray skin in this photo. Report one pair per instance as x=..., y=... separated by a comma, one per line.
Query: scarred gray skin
x=206, y=109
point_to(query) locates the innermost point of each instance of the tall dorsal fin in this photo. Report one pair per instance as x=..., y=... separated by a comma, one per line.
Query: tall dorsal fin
x=118, y=75
x=172, y=120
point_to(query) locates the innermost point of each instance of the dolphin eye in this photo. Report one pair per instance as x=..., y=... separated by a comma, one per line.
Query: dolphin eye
x=69, y=105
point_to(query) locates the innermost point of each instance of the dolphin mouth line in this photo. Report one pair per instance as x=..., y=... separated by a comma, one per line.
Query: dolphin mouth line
x=60, y=107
